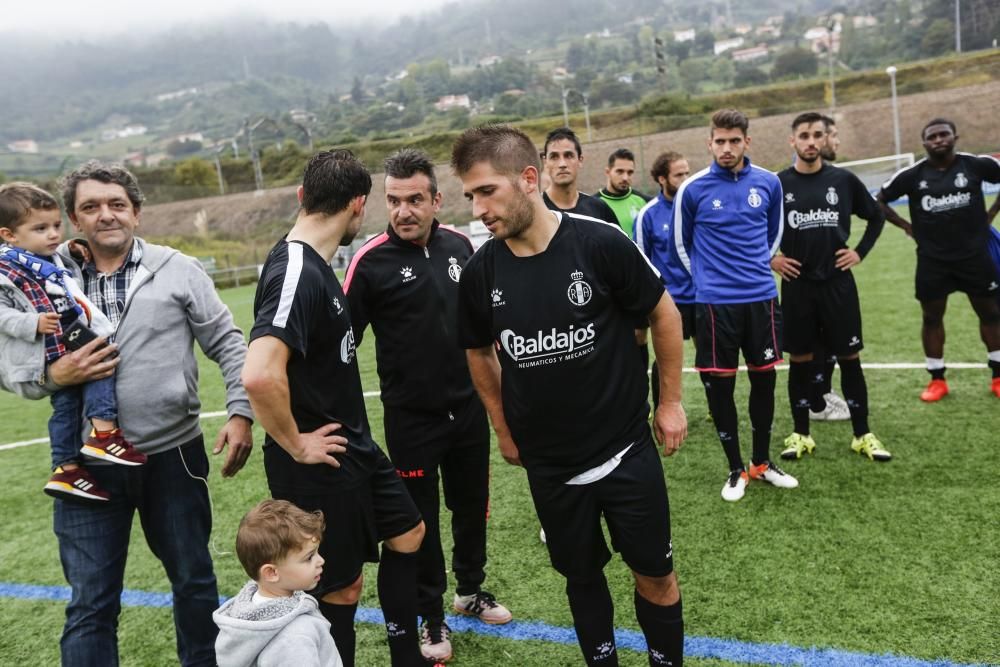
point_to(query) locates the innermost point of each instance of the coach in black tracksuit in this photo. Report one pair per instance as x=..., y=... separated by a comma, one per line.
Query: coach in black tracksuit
x=404, y=282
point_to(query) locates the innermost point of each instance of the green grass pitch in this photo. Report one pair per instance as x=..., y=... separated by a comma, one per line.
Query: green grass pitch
x=875, y=558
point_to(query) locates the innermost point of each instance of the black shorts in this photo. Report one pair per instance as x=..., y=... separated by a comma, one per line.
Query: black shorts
x=633, y=501
x=725, y=329
x=687, y=319
x=357, y=519
x=937, y=278
x=822, y=311
x=418, y=440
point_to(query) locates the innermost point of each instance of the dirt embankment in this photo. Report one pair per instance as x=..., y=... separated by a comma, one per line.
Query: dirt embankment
x=866, y=130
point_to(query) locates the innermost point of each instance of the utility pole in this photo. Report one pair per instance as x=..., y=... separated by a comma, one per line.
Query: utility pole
x=958, y=26
x=829, y=57
x=586, y=115
x=891, y=71
x=565, y=94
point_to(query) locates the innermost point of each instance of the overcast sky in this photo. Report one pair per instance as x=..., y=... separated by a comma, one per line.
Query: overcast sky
x=88, y=20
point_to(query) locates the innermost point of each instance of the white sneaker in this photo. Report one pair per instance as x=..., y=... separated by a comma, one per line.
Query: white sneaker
x=484, y=606
x=836, y=409
x=772, y=474
x=736, y=486
x=435, y=641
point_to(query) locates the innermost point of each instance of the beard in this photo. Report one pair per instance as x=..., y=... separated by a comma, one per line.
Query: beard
x=828, y=154
x=519, y=217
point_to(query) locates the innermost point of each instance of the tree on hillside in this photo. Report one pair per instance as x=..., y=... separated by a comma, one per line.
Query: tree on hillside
x=939, y=37
x=357, y=92
x=796, y=62
x=195, y=173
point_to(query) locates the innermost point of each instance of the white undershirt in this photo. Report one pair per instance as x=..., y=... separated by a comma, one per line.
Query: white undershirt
x=601, y=471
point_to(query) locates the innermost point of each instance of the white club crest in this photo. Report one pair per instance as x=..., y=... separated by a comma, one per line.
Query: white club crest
x=961, y=181
x=454, y=270
x=831, y=196
x=754, y=198
x=579, y=292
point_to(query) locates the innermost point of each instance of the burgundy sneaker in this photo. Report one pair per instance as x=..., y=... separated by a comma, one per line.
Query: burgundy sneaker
x=76, y=484
x=113, y=448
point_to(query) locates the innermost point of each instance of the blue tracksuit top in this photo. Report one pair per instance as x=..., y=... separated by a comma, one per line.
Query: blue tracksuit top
x=726, y=229
x=654, y=234
x=994, y=246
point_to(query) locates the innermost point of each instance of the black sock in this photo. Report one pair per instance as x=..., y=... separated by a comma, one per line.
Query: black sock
x=937, y=373
x=852, y=383
x=762, y=413
x=995, y=367
x=798, y=394
x=663, y=627
x=705, y=379
x=594, y=620
x=828, y=365
x=720, y=391
x=817, y=385
x=397, y=593
x=341, y=617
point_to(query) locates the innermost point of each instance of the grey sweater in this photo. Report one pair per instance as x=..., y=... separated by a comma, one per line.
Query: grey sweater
x=282, y=631
x=171, y=303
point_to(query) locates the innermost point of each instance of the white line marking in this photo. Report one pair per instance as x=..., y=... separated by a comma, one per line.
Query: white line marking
x=373, y=394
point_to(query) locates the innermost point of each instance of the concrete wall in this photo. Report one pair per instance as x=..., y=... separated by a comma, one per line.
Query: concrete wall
x=865, y=130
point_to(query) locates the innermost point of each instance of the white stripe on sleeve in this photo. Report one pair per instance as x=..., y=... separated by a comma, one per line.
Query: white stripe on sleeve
x=292, y=273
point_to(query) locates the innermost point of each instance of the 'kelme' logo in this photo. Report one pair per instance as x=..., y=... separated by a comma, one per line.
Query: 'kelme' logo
x=407, y=273
x=579, y=292
x=496, y=297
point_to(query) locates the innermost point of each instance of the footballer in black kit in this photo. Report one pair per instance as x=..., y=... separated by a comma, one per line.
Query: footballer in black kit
x=563, y=156
x=404, y=282
x=949, y=223
x=819, y=297
x=302, y=377
x=547, y=311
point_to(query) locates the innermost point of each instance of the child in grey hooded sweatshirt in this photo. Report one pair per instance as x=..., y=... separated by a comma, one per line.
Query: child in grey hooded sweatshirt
x=271, y=621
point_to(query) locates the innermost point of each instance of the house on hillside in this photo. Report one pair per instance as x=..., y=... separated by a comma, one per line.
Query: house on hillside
x=724, y=45
x=753, y=54
x=446, y=102
x=684, y=35
x=23, y=146
x=820, y=38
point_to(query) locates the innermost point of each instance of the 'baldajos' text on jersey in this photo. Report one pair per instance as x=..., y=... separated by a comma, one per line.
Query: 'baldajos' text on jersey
x=300, y=302
x=947, y=208
x=562, y=321
x=818, y=209
x=727, y=227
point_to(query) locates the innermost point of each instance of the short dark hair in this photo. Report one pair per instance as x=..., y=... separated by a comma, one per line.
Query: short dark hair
x=507, y=149
x=728, y=119
x=95, y=170
x=559, y=134
x=938, y=121
x=19, y=199
x=271, y=530
x=407, y=162
x=661, y=165
x=621, y=154
x=809, y=118
x=829, y=122
x=332, y=179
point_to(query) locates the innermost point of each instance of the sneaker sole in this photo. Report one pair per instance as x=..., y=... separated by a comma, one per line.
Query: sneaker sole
x=469, y=613
x=874, y=457
x=431, y=660
x=101, y=455
x=70, y=492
